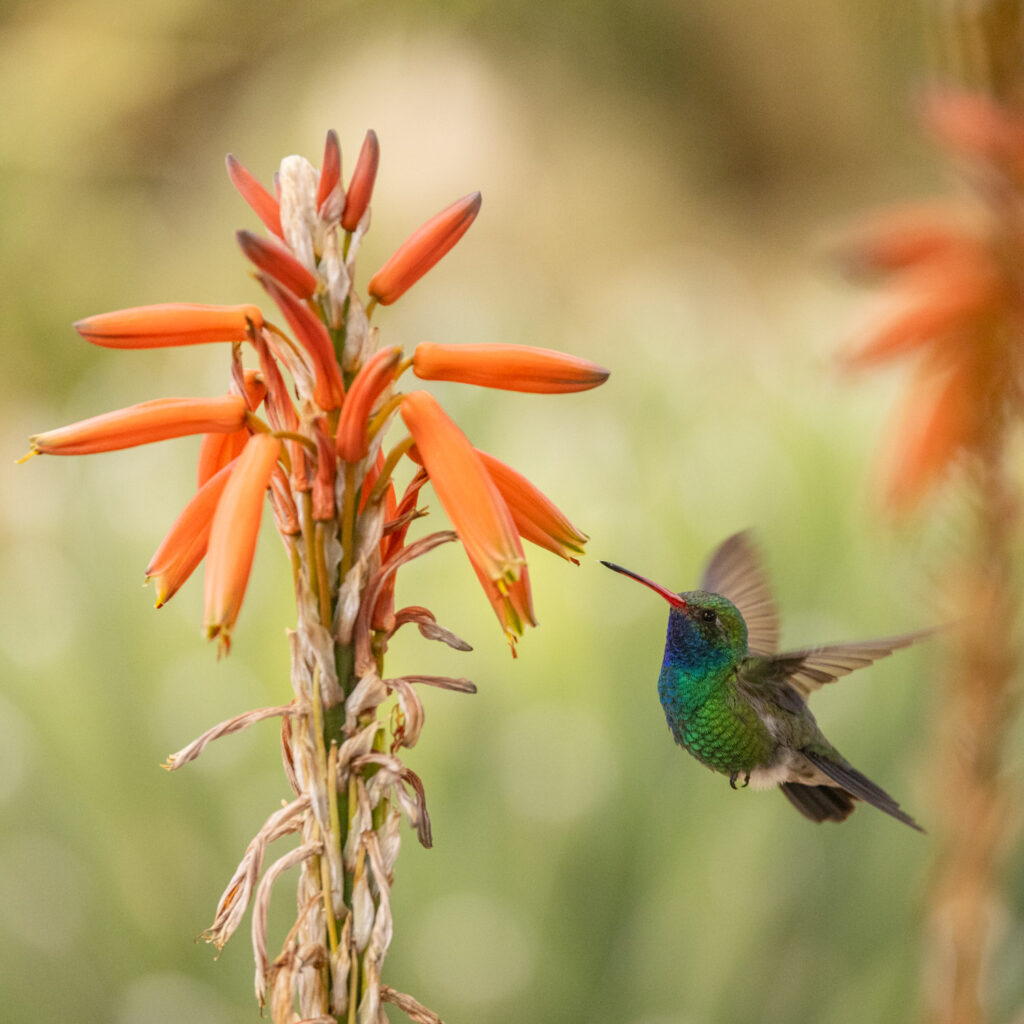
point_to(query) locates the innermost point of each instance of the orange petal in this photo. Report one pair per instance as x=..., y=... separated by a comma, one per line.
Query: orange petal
x=278, y=262
x=467, y=493
x=422, y=249
x=512, y=602
x=170, y=323
x=145, y=423
x=326, y=470
x=360, y=188
x=313, y=336
x=233, y=535
x=932, y=428
x=373, y=377
x=329, y=197
x=263, y=203
x=537, y=518
x=510, y=367
x=947, y=294
x=185, y=544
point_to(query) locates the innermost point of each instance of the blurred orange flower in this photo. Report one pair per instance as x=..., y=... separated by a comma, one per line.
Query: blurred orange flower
x=952, y=296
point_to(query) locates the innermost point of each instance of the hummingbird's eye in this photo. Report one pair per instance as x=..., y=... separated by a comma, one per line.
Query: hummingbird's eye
x=708, y=615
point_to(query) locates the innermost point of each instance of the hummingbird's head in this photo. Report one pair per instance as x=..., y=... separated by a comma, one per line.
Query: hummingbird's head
x=702, y=627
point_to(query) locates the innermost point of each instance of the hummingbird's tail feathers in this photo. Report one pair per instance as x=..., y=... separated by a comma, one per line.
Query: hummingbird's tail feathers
x=735, y=572
x=819, y=803
x=860, y=786
x=809, y=669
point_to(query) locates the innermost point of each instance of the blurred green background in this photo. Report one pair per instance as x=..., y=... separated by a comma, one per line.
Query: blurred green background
x=660, y=181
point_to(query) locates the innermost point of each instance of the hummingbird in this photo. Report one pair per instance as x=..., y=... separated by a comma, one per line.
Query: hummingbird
x=740, y=708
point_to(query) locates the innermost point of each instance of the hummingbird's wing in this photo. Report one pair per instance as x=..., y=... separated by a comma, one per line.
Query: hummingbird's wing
x=811, y=668
x=735, y=572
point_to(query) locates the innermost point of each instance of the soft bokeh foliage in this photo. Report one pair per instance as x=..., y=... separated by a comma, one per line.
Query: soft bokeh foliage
x=651, y=179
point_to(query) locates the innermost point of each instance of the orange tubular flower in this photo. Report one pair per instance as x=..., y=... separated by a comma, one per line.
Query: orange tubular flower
x=217, y=450
x=170, y=323
x=158, y=420
x=422, y=249
x=264, y=205
x=360, y=188
x=512, y=602
x=185, y=544
x=376, y=374
x=466, y=491
x=537, y=518
x=312, y=335
x=510, y=367
x=233, y=535
x=278, y=262
x=329, y=197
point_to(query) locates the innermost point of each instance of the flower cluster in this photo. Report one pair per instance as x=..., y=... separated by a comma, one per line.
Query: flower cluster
x=952, y=297
x=306, y=426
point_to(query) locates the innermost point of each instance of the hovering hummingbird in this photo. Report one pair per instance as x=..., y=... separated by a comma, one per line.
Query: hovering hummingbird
x=741, y=708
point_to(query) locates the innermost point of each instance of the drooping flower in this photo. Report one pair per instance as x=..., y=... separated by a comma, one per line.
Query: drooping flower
x=466, y=491
x=509, y=367
x=233, y=535
x=183, y=548
x=537, y=518
x=157, y=420
x=170, y=323
x=422, y=250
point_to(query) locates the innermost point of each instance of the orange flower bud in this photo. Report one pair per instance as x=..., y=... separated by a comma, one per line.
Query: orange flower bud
x=465, y=489
x=185, y=544
x=375, y=375
x=158, y=420
x=537, y=518
x=278, y=262
x=233, y=535
x=313, y=336
x=326, y=469
x=510, y=367
x=170, y=323
x=265, y=206
x=360, y=188
x=329, y=197
x=422, y=249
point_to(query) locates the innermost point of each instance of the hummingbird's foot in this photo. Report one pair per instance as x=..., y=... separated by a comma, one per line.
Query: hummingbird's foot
x=735, y=776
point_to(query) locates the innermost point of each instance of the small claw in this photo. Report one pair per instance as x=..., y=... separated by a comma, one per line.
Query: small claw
x=732, y=779
x=743, y=785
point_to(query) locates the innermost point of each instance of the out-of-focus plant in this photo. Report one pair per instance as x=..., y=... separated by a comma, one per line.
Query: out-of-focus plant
x=315, y=446
x=951, y=302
